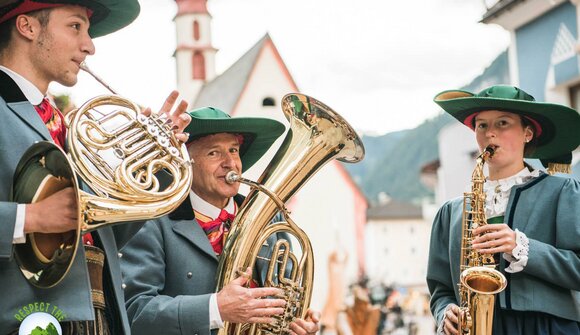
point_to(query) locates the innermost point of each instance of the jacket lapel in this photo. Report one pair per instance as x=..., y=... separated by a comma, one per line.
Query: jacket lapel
x=29, y=116
x=18, y=105
x=191, y=231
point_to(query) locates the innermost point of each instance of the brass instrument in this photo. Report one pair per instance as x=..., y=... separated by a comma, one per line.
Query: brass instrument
x=317, y=134
x=479, y=280
x=133, y=164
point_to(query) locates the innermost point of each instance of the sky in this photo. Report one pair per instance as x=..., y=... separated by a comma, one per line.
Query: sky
x=378, y=63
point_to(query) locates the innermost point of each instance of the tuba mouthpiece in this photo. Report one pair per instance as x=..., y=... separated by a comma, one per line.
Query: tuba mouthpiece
x=232, y=177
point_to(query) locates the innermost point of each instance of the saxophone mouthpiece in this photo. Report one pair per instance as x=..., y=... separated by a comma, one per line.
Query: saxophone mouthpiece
x=490, y=149
x=232, y=177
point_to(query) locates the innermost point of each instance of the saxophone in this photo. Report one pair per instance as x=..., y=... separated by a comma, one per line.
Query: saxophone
x=479, y=281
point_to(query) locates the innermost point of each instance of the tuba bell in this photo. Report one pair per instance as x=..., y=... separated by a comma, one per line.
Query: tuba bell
x=133, y=165
x=317, y=135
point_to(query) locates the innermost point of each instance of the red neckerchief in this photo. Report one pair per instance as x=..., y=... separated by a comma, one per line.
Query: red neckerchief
x=54, y=121
x=216, y=230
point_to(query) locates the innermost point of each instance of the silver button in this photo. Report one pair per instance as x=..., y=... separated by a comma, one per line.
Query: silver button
x=120, y=255
x=189, y=275
x=123, y=286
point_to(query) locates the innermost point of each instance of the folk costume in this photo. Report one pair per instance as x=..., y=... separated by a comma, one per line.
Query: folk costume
x=543, y=272
x=23, y=125
x=170, y=266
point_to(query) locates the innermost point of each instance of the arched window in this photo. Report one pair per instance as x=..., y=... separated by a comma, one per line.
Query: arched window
x=196, y=30
x=198, y=63
x=268, y=102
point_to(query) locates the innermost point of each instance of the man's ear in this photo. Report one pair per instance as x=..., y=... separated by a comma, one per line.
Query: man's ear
x=27, y=26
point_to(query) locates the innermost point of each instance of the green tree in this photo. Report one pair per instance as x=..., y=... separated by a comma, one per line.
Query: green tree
x=50, y=330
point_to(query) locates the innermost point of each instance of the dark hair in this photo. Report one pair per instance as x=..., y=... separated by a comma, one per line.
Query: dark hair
x=531, y=146
x=6, y=32
x=6, y=28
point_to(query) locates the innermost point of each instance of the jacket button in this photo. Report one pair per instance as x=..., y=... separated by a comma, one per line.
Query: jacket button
x=123, y=286
x=189, y=275
x=120, y=255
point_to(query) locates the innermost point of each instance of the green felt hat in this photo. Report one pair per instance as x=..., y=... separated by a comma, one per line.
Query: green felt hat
x=557, y=131
x=106, y=16
x=259, y=133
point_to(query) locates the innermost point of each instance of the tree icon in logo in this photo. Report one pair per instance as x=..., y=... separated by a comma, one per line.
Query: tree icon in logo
x=50, y=330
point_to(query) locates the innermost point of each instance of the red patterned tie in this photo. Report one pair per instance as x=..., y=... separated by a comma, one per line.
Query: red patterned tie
x=217, y=230
x=54, y=121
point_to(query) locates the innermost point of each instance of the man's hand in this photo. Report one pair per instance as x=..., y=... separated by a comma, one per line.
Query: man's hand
x=239, y=304
x=55, y=214
x=309, y=325
x=179, y=118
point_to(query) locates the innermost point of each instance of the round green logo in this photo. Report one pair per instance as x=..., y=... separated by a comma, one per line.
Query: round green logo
x=40, y=323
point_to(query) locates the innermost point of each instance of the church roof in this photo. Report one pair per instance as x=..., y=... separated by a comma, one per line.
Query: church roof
x=395, y=210
x=224, y=91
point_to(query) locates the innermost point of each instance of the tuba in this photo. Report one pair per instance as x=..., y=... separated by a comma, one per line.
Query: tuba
x=133, y=164
x=317, y=134
x=479, y=280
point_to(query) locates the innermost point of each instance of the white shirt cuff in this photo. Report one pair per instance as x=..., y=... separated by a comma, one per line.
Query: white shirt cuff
x=215, y=319
x=19, y=236
x=519, y=257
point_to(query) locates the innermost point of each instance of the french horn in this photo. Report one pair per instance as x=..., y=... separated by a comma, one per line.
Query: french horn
x=122, y=165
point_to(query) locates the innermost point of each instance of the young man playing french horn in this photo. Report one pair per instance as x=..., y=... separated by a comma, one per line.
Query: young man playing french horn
x=170, y=266
x=42, y=41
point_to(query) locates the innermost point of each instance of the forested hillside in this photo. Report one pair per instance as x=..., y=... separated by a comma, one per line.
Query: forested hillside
x=393, y=161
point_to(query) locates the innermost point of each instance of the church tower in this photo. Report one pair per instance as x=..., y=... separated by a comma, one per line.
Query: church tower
x=194, y=55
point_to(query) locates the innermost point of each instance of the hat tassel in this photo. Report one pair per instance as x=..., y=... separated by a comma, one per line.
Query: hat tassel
x=559, y=168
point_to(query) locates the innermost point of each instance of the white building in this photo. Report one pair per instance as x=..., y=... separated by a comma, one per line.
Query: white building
x=397, y=244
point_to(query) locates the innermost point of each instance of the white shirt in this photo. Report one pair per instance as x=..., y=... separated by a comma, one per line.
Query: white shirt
x=34, y=96
x=209, y=210
x=496, y=201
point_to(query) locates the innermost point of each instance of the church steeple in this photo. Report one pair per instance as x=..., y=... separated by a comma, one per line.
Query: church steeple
x=194, y=55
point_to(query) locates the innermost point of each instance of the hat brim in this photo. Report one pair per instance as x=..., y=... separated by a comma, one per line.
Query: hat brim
x=107, y=16
x=559, y=123
x=259, y=134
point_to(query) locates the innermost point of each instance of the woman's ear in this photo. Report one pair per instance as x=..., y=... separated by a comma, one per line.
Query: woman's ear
x=528, y=134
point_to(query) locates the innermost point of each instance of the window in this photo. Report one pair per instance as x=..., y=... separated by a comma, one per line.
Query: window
x=198, y=66
x=268, y=102
x=196, y=30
